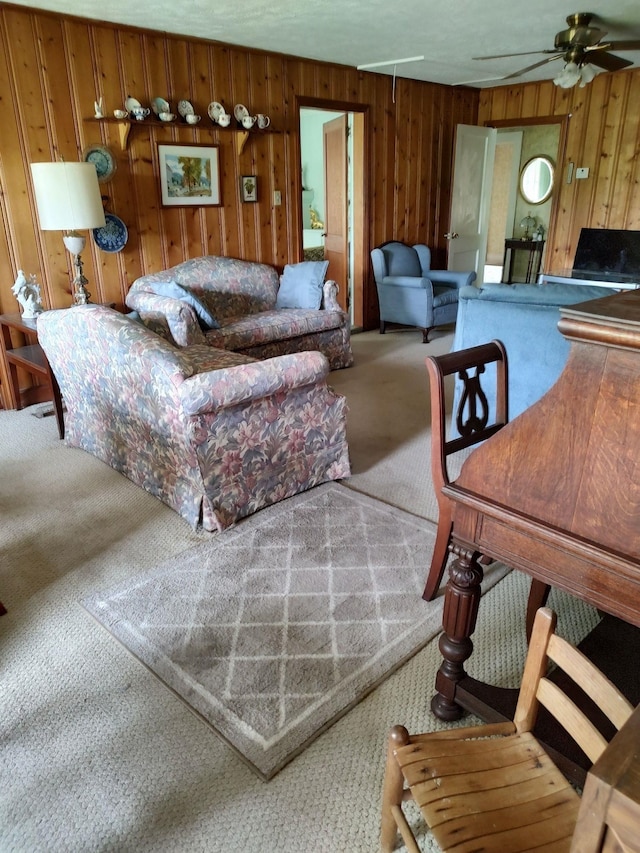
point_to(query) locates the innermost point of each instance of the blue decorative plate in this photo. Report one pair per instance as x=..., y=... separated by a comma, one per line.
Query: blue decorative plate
x=113, y=237
x=103, y=159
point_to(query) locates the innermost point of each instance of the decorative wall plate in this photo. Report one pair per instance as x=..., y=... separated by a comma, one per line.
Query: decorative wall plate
x=215, y=110
x=113, y=236
x=130, y=103
x=240, y=111
x=185, y=108
x=159, y=105
x=103, y=159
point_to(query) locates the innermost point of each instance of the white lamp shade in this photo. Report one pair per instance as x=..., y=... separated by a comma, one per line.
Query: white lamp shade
x=67, y=196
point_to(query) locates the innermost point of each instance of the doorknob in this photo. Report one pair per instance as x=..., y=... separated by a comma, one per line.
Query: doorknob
x=451, y=235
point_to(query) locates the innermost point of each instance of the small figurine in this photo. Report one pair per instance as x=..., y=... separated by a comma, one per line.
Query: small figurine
x=28, y=295
x=98, y=108
x=315, y=221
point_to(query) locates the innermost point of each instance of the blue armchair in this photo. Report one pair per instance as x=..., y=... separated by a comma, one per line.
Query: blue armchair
x=410, y=293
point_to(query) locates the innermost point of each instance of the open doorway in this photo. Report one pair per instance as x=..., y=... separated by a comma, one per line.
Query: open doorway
x=332, y=198
x=511, y=215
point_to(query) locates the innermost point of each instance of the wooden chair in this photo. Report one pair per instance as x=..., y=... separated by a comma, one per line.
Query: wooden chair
x=493, y=787
x=473, y=426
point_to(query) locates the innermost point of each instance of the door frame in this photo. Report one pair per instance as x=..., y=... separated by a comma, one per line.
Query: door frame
x=361, y=171
x=563, y=121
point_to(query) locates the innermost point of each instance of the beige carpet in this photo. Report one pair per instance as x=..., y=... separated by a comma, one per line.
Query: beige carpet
x=279, y=626
x=96, y=754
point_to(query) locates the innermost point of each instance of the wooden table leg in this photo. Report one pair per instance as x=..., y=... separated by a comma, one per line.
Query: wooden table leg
x=58, y=405
x=462, y=597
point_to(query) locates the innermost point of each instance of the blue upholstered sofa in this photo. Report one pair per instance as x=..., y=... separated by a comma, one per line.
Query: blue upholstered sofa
x=525, y=318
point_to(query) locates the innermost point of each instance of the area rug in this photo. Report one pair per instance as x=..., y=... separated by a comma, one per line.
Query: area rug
x=277, y=627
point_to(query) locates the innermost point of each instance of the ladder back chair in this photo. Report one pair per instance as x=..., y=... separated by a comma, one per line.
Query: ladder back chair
x=493, y=787
x=473, y=425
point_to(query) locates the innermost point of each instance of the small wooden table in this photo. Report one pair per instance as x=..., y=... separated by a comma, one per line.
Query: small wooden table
x=610, y=807
x=31, y=358
x=533, y=247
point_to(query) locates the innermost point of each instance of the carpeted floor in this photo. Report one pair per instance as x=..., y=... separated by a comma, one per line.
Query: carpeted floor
x=96, y=754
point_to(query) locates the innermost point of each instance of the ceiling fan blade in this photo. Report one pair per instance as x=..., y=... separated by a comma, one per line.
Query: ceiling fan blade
x=531, y=67
x=617, y=45
x=607, y=61
x=508, y=55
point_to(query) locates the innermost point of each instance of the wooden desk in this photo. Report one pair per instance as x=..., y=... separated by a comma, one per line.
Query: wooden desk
x=533, y=247
x=31, y=358
x=555, y=493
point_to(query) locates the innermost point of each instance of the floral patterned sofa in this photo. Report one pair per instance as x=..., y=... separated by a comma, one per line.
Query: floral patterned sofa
x=216, y=435
x=243, y=298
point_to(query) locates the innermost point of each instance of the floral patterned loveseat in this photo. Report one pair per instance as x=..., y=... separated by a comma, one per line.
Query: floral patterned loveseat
x=242, y=296
x=215, y=435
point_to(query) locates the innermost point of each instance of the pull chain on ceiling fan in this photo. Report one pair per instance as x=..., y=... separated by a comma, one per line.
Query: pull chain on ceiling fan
x=581, y=46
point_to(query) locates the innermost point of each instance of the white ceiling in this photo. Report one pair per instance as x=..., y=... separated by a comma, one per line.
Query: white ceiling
x=449, y=33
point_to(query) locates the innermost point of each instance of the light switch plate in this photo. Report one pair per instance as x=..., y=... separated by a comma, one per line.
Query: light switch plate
x=277, y=197
x=582, y=173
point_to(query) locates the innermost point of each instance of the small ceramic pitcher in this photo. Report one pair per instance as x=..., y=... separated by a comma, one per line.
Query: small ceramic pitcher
x=263, y=121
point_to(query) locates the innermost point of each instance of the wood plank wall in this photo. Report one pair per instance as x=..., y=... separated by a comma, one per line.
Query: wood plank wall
x=53, y=67
x=603, y=135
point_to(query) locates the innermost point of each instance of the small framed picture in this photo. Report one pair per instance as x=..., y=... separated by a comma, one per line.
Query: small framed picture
x=249, y=184
x=189, y=175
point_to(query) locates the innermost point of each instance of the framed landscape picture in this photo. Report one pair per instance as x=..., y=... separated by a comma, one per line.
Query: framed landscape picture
x=189, y=175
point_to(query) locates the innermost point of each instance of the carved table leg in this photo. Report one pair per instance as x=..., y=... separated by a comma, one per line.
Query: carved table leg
x=462, y=597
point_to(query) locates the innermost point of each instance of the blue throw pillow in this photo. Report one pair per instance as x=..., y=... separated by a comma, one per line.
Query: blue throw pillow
x=301, y=285
x=177, y=291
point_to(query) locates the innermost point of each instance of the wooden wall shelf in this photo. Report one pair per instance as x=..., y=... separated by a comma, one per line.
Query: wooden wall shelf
x=240, y=134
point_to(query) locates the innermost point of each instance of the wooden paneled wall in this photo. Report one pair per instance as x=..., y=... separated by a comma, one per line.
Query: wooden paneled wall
x=603, y=135
x=53, y=68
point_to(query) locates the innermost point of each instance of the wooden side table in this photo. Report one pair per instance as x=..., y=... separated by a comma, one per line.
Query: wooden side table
x=533, y=247
x=29, y=357
x=609, y=815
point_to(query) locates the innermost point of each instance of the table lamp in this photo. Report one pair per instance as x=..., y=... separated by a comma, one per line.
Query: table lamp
x=68, y=199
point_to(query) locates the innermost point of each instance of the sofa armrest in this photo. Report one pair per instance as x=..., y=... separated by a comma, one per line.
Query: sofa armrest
x=452, y=279
x=330, y=296
x=171, y=318
x=214, y=390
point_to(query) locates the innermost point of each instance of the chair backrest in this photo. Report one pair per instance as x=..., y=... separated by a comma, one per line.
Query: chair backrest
x=395, y=259
x=472, y=415
x=537, y=688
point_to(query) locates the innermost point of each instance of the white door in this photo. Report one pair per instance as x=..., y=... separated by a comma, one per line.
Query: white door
x=471, y=197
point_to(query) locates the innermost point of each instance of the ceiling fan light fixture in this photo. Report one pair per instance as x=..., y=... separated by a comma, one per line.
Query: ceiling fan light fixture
x=587, y=74
x=574, y=74
x=569, y=76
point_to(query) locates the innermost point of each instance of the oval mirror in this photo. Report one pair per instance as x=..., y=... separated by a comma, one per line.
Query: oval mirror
x=536, y=180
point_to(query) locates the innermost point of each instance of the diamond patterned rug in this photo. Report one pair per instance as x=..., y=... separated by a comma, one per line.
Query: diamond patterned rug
x=280, y=625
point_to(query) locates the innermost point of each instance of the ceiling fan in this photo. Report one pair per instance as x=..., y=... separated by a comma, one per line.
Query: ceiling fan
x=580, y=45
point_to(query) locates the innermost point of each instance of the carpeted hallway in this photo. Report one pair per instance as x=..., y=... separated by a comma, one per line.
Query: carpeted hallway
x=97, y=754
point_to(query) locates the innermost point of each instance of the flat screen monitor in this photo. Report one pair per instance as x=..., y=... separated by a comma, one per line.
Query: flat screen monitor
x=607, y=254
